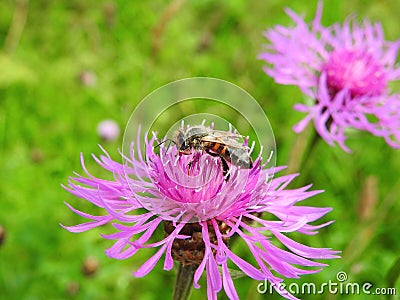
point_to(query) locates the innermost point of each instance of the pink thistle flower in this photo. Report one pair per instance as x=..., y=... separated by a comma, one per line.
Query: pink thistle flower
x=198, y=222
x=346, y=69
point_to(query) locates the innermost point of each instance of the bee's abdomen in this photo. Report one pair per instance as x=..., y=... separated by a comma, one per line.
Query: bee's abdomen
x=219, y=148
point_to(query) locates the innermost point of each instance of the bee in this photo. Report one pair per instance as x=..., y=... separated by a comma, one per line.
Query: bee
x=220, y=144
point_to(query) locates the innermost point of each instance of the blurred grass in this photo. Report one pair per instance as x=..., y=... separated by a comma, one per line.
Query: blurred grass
x=48, y=116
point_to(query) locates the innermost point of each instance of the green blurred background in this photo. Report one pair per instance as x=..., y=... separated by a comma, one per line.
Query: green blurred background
x=67, y=65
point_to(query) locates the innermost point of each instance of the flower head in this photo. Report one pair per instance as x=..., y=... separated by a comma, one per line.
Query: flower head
x=200, y=210
x=346, y=69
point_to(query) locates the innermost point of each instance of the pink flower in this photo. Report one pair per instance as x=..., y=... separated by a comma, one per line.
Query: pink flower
x=200, y=213
x=108, y=130
x=345, y=69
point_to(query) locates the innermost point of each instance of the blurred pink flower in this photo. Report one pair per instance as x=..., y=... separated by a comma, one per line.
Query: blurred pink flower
x=345, y=69
x=108, y=130
x=88, y=78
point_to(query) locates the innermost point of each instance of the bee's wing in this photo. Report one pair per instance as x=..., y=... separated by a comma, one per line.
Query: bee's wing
x=232, y=143
x=213, y=139
x=223, y=134
x=235, y=144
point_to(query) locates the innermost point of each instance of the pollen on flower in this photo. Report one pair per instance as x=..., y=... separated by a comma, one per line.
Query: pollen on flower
x=355, y=70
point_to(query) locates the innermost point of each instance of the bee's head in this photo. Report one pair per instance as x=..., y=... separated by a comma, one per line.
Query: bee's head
x=180, y=140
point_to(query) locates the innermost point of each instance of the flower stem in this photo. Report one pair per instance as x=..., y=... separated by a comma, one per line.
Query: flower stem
x=184, y=281
x=302, y=149
x=17, y=25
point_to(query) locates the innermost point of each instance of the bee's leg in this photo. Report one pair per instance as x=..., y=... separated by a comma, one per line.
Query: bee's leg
x=189, y=166
x=225, y=167
x=193, y=163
